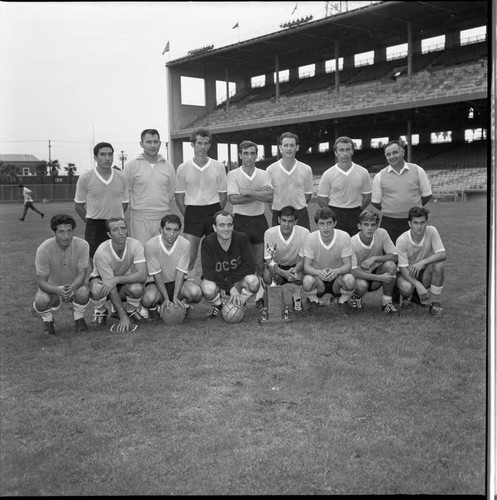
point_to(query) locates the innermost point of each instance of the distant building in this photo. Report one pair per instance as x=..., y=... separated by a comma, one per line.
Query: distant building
x=25, y=163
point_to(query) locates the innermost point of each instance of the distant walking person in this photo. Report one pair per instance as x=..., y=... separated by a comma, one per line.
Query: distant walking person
x=151, y=182
x=397, y=188
x=292, y=181
x=28, y=202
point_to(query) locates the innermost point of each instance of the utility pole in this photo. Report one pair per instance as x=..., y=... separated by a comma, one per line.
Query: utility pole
x=49, y=153
x=123, y=158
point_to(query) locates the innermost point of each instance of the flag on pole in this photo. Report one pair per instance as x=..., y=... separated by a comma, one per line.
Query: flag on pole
x=235, y=26
x=294, y=9
x=166, y=48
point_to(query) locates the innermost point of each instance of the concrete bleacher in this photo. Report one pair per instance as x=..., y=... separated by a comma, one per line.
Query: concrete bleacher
x=423, y=85
x=370, y=73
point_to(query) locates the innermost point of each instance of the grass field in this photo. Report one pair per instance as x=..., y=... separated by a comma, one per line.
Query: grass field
x=324, y=405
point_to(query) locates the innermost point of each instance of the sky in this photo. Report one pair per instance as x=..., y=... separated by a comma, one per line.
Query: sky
x=78, y=73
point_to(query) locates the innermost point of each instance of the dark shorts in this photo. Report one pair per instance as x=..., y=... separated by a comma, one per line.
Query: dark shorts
x=253, y=226
x=328, y=288
x=280, y=280
x=302, y=218
x=118, y=287
x=199, y=219
x=347, y=219
x=169, y=288
x=95, y=234
x=394, y=227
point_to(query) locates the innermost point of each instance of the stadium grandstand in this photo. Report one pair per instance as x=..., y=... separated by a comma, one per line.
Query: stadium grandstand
x=385, y=71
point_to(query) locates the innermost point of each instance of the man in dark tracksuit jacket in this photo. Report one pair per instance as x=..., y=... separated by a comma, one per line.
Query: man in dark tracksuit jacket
x=227, y=264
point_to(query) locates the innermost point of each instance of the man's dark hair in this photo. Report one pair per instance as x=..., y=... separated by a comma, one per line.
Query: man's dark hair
x=391, y=143
x=288, y=211
x=346, y=140
x=220, y=212
x=101, y=145
x=288, y=135
x=202, y=132
x=170, y=219
x=151, y=131
x=247, y=144
x=325, y=214
x=418, y=212
x=59, y=219
x=108, y=222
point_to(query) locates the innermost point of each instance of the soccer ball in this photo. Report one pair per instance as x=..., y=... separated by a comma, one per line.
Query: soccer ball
x=175, y=315
x=232, y=313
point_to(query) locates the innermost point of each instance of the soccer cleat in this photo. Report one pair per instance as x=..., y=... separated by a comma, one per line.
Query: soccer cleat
x=415, y=299
x=356, y=302
x=259, y=303
x=345, y=308
x=389, y=308
x=214, y=311
x=188, y=310
x=42, y=215
x=297, y=304
x=136, y=317
x=80, y=325
x=48, y=328
x=312, y=307
x=406, y=303
x=153, y=314
x=100, y=318
x=436, y=309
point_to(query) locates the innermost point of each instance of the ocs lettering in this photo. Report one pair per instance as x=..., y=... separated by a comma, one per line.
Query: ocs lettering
x=228, y=265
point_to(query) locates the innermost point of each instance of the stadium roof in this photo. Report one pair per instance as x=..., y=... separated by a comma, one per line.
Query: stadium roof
x=17, y=157
x=357, y=31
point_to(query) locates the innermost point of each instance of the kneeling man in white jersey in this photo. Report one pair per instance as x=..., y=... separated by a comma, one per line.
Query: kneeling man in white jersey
x=168, y=257
x=374, y=262
x=61, y=265
x=328, y=260
x=119, y=273
x=287, y=239
x=421, y=262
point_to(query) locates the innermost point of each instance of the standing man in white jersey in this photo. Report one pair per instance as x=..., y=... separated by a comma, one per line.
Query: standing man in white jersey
x=345, y=187
x=168, y=257
x=397, y=188
x=61, y=265
x=421, y=262
x=288, y=239
x=119, y=273
x=151, y=182
x=327, y=256
x=292, y=181
x=374, y=262
x=249, y=189
x=101, y=194
x=200, y=191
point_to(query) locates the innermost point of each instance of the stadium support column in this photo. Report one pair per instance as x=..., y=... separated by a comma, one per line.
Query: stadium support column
x=277, y=73
x=227, y=89
x=409, y=49
x=337, y=72
x=409, y=139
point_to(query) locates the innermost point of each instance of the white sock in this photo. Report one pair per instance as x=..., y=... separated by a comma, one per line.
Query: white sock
x=79, y=310
x=216, y=301
x=45, y=315
x=385, y=299
x=344, y=295
x=436, y=293
x=99, y=304
x=134, y=303
x=245, y=295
